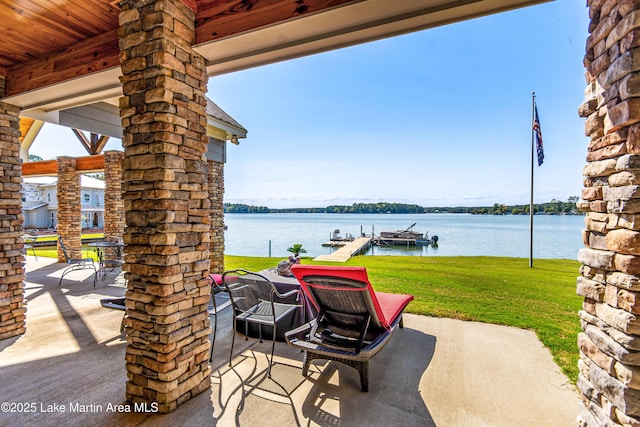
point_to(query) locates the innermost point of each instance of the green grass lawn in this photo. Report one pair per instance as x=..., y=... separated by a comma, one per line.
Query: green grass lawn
x=52, y=252
x=497, y=290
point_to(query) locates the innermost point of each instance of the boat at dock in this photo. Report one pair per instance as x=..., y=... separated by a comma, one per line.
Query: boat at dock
x=407, y=237
x=336, y=240
x=426, y=240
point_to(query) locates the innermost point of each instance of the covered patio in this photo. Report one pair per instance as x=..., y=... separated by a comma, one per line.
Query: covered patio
x=142, y=66
x=433, y=372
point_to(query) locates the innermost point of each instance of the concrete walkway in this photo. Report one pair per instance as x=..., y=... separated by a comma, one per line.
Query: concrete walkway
x=433, y=372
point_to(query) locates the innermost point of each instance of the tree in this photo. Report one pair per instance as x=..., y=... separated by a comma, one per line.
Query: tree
x=297, y=249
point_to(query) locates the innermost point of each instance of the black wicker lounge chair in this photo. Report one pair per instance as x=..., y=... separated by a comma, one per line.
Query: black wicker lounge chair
x=354, y=322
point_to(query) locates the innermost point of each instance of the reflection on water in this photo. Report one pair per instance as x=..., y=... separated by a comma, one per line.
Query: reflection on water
x=459, y=234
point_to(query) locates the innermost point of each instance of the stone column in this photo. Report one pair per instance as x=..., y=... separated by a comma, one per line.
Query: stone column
x=216, y=194
x=12, y=272
x=69, y=207
x=609, y=281
x=113, y=204
x=166, y=204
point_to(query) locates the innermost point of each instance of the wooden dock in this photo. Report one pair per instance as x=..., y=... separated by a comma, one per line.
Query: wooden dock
x=347, y=251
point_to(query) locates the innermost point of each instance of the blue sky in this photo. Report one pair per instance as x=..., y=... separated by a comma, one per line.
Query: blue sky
x=440, y=117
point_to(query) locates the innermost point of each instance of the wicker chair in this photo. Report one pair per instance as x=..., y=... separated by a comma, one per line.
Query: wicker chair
x=354, y=322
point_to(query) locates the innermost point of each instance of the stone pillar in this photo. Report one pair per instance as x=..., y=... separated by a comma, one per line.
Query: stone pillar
x=69, y=207
x=113, y=203
x=609, y=281
x=12, y=274
x=166, y=204
x=216, y=194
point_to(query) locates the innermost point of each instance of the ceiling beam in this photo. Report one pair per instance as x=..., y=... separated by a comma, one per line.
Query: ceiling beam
x=85, y=164
x=222, y=19
x=79, y=59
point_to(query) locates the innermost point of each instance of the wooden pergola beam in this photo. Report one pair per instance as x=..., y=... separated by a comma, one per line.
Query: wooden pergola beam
x=94, y=144
x=216, y=20
x=85, y=164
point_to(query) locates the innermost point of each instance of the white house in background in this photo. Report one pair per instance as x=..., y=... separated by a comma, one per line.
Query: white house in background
x=40, y=202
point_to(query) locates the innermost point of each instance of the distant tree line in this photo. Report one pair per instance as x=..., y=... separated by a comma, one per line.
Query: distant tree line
x=240, y=208
x=395, y=208
x=554, y=207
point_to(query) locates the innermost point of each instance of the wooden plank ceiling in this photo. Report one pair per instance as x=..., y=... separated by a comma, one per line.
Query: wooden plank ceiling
x=25, y=126
x=49, y=41
x=34, y=28
x=58, y=54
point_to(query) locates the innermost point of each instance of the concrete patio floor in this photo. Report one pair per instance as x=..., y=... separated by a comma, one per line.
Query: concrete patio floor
x=433, y=372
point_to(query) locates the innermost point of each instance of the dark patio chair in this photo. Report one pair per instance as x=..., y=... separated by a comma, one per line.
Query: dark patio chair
x=354, y=322
x=254, y=299
x=116, y=304
x=76, y=263
x=217, y=287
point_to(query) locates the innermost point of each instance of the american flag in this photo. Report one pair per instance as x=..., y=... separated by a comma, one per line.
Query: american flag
x=538, y=131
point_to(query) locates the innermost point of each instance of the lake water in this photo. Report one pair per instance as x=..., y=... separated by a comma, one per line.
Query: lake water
x=555, y=236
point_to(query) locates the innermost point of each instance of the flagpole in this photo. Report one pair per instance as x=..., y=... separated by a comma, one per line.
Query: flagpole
x=533, y=107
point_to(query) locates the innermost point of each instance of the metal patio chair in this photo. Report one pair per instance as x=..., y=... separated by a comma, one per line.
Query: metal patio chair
x=30, y=239
x=76, y=263
x=217, y=287
x=256, y=300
